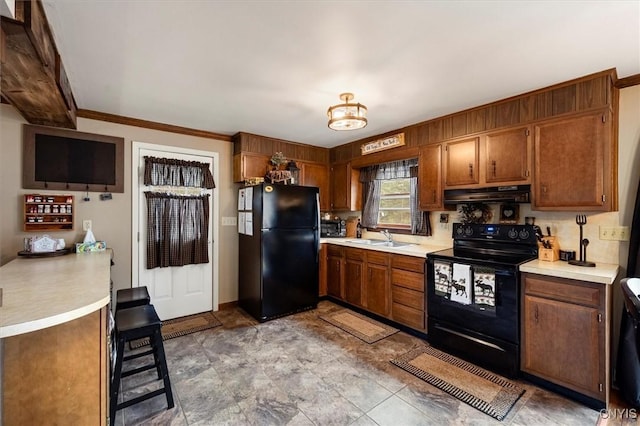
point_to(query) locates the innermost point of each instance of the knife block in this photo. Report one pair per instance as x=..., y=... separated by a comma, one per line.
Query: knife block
x=549, y=255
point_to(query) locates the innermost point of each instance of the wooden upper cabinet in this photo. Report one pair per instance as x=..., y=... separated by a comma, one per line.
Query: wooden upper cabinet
x=575, y=163
x=248, y=165
x=462, y=162
x=315, y=174
x=345, y=187
x=506, y=154
x=430, y=177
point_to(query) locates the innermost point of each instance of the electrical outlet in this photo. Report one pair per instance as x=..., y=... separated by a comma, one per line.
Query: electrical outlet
x=614, y=233
x=86, y=225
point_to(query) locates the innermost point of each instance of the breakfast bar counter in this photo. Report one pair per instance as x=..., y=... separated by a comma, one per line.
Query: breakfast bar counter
x=42, y=292
x=54, y=335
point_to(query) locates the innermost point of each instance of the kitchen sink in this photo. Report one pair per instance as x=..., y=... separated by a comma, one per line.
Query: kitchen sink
x=381, y=243
x=361, y=241
x=391, y=244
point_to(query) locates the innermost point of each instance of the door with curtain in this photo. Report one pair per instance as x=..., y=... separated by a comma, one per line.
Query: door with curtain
x=175, y=291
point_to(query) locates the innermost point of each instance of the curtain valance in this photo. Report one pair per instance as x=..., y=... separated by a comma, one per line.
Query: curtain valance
x=173, y=172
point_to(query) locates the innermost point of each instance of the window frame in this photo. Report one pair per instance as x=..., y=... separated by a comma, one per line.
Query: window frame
x=405, y=195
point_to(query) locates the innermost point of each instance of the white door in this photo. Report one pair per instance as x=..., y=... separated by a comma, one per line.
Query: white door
x=175, y=291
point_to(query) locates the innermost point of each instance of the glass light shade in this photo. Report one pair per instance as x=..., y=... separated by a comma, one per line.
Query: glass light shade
x=347, y=116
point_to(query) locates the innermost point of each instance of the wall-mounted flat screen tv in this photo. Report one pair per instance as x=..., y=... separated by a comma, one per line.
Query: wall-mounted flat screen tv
x=56, y=158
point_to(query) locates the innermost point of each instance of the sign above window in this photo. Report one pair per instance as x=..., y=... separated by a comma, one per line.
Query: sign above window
x=382, y=144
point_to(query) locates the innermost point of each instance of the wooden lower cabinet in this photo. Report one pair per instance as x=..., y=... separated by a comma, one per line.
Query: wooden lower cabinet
x=408, y=291
x=388, y=285
x=322, y=273
x=353, y=276
x=57, y=375
x=565, y=334
x=377, y=297
x=335, y=280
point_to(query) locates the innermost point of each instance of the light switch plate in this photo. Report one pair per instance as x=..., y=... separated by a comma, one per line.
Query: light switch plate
x=229, y=221
x=614, y=233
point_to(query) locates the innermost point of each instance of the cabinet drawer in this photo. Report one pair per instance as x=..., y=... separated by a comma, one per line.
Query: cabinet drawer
x=579, y=292
x=411, y=298
x=409, y=316
x=355, y=254
x=409, y=263
x=407, y=279
x=377, y=257
x=333, y=250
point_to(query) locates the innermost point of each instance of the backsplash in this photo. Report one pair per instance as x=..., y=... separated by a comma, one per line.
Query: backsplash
x=563, y=226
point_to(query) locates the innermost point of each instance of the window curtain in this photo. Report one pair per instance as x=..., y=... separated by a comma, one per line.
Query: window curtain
x=371, y=195
x=371, y=177
x=173, y=172
x=420, y=223
x=177, y=229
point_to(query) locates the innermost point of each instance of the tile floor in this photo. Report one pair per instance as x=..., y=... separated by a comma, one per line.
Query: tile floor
x=301, y=370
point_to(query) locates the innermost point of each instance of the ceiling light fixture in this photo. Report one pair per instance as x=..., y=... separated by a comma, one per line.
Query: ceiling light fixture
x=347, y=116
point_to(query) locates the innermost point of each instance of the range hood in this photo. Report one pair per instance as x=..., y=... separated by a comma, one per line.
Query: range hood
x=494, y=194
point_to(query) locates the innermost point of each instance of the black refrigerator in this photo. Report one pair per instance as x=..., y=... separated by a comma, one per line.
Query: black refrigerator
x=279, y=239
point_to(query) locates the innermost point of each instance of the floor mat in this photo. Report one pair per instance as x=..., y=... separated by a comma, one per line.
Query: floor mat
x=181, y=326
x=358, y=325
x=482, y=389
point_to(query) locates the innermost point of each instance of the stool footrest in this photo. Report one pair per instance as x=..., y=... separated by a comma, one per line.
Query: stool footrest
x=141, y=398
x=134, y=356
x=137, y=370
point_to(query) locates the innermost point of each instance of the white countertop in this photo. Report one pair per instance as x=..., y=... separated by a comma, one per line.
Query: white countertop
x=42, y=292
x=416, y=250
x=603, y=273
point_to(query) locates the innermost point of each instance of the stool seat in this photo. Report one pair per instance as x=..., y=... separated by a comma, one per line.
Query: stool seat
x=138, y=318
x=131, y=297
x=132, y=324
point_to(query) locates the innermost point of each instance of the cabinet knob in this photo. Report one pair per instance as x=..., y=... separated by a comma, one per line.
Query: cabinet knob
x=493, y=163
x=470, y=170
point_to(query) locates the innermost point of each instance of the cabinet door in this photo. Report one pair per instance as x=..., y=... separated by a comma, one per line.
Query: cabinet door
x=461, y=162
x=573, y=164
x=353, y=281
x=430, y=178
x=345, y=187
x=378, y=289
x=247, y=165
x=322, y=274
x=334, y=276
x=507, y=155
x=561, y=343
x=315, y=174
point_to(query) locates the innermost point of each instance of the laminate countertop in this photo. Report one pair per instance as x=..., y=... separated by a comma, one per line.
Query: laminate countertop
x=410, y=249
x=603, y=273
x=42, y=292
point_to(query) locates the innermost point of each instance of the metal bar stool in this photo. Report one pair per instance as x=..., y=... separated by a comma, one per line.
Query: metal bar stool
x=133, y=324
x=131, y=297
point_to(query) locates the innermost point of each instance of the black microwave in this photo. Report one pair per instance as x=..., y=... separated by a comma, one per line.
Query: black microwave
x=333, y=228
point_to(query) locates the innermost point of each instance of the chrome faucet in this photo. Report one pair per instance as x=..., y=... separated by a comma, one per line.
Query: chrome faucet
x=387, y=235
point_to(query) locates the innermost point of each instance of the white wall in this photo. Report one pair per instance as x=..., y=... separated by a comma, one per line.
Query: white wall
x=111, y=219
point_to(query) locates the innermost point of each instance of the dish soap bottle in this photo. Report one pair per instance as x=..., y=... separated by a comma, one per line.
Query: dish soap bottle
x=358, y=230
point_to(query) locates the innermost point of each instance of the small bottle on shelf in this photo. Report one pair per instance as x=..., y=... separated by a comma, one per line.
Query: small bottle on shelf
x=359, y=230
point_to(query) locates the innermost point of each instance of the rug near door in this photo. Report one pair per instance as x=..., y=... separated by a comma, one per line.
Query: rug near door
x=181, y=326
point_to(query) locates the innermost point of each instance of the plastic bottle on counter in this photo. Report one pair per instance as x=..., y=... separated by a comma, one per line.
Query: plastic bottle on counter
x=358, y=230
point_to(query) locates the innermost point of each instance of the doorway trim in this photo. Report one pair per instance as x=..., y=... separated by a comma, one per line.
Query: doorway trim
x=214, y=214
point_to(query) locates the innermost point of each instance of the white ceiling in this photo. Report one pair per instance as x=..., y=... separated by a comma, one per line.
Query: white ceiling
x=273, y=67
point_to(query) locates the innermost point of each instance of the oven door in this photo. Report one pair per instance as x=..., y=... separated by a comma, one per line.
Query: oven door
x=480, y=297
x=473, y=311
